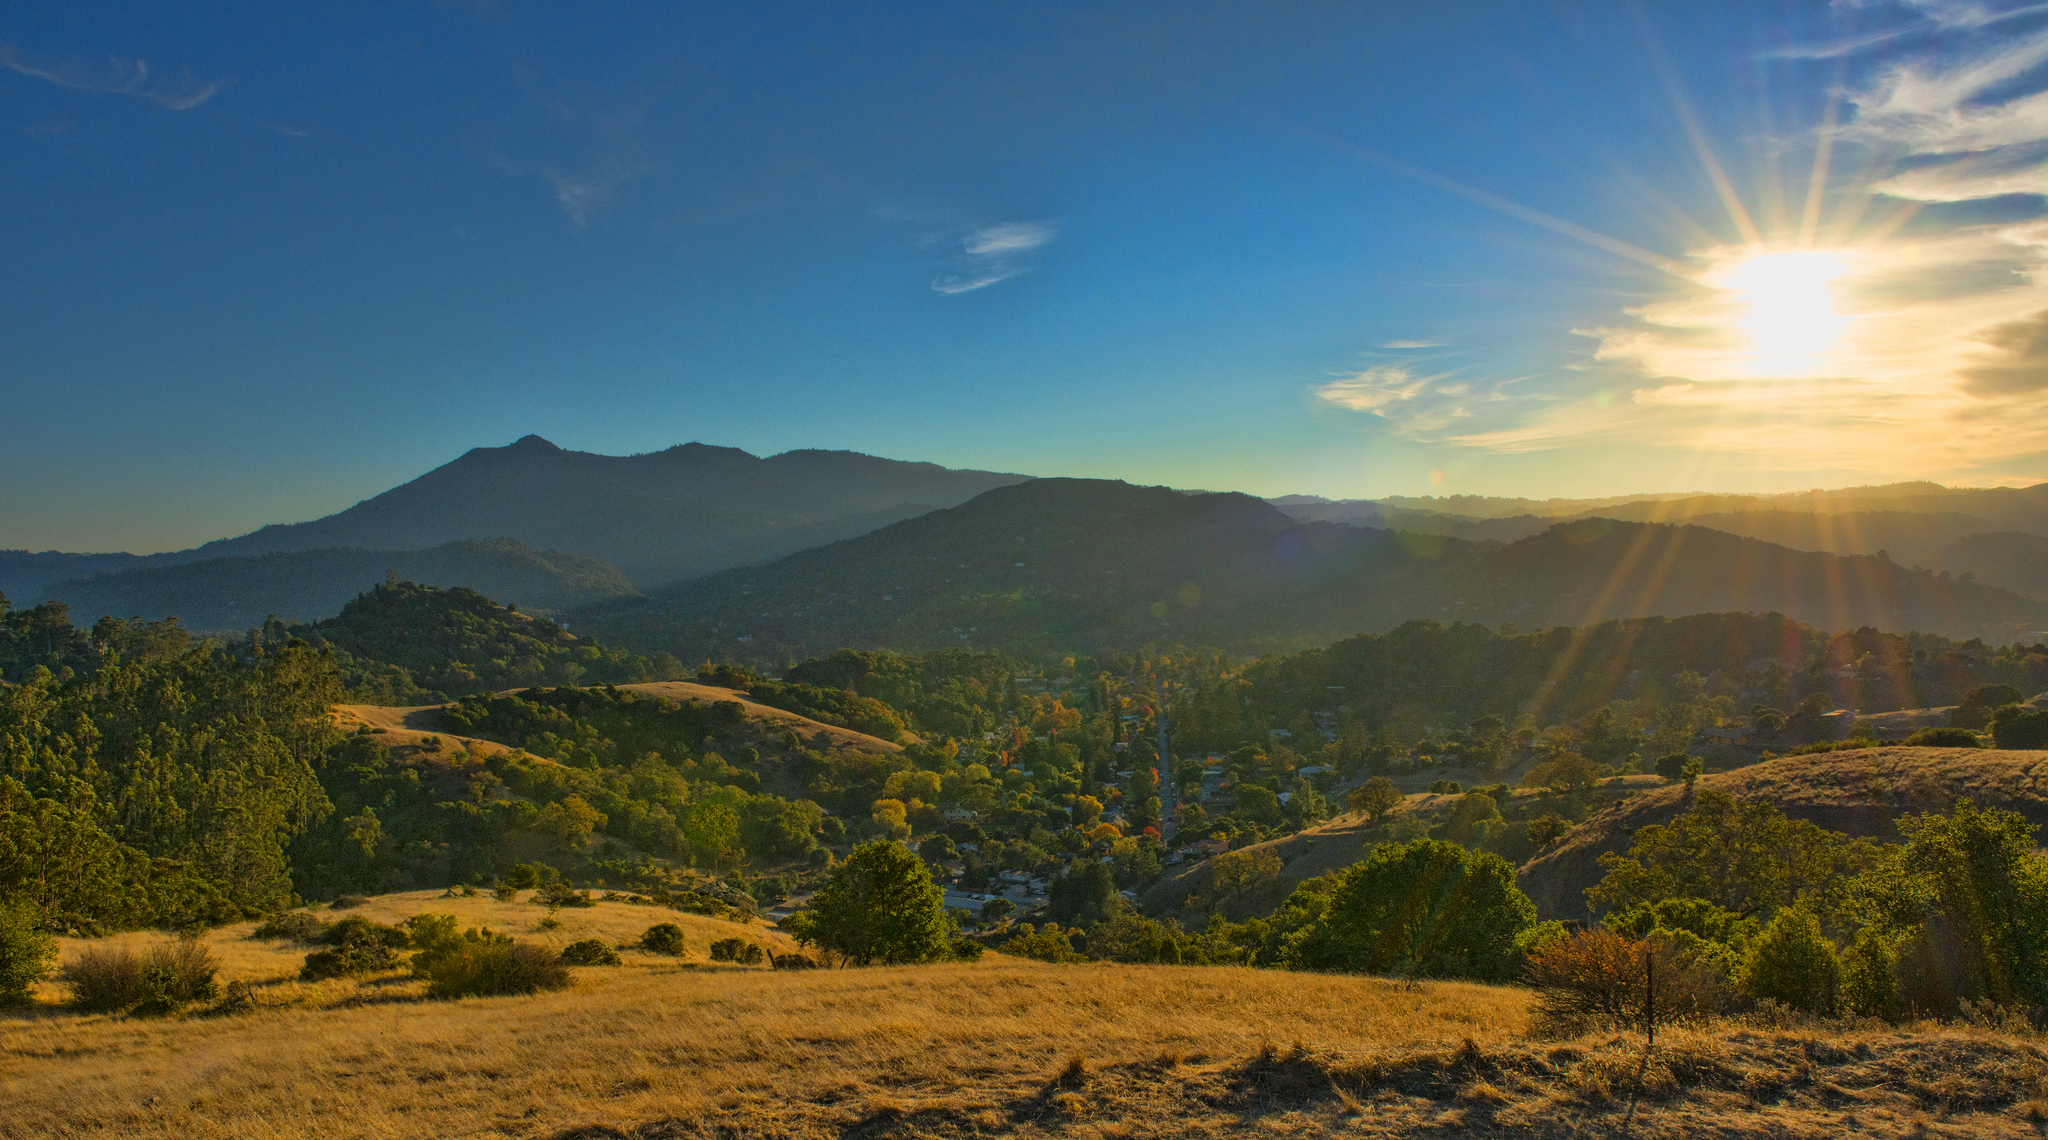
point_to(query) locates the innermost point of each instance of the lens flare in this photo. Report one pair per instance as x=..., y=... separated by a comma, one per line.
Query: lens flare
x=1789, y=309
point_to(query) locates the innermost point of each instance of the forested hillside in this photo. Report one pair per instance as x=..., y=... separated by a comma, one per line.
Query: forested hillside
x=1069, y=565
x=402, y=643
x=232, y=594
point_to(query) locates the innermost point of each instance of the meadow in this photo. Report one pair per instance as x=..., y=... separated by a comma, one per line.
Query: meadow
x=662, y=1047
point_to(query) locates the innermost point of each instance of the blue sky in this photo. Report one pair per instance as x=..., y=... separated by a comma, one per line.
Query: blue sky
x=262, y=262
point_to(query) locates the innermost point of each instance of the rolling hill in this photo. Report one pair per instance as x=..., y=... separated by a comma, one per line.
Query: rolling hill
x=1075, y=564
x=231, y=594
x=1858, y=793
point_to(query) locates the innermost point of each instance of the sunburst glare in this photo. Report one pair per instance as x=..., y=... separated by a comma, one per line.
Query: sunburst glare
x=1788, y=305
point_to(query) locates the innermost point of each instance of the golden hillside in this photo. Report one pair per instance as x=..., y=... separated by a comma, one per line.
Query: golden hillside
x=657, y=1049
x=1859, y=793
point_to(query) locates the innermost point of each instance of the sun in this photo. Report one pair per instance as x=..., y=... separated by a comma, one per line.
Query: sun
x=1788, y=307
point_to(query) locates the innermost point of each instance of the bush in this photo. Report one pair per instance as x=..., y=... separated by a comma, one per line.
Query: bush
x=504, y=892
x=1943, y=738
x=346, y=902
x=558, y=893
x=736, y=950
x=1671, y=766
x=350, y=959
x=523, y=877
x=2013, y=727
x=497, y=966
x=967, y=950
x=292, y=925
x=163, y=979
x=25, y=953
x=358, y=946
x=1794, y=964
x=595, y=952
x=1598, y=976
x=356, y=928
x=664, y=938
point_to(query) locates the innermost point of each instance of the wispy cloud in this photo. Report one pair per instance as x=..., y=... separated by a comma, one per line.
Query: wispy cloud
x=1420, y=405
x=115, y=77
x=579, y=194
x=990, y=254
x=1413, y=344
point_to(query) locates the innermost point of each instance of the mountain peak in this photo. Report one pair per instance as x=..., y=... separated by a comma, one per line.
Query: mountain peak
x=532, y=443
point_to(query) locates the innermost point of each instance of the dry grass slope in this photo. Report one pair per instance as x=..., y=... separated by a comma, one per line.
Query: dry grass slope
x=998, y=1048
x=1860, y=793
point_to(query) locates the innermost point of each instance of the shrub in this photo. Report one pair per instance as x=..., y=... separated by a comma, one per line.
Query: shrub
x=504, y=892
x=292, y=925
x=1943, y=738
x=356, y=946
x=1599, y=976
x=664, y=938
x=163, y=979
x=595, y=952
x=25, y=953
x=967, y=950
x=345, y=902
x=558, y=893
x=1671, y=766
x=484, y=968
x=348, y=960
x=1794, y=964
x=523, y=877
x=736, y=950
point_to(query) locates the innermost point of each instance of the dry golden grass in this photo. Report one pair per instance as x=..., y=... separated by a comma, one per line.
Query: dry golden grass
x=767, y=718
x=997, y=1048
x=273, y=966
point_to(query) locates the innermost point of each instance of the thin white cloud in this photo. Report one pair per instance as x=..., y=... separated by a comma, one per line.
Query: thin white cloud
x=117, y=77
x=1009, y=237
x=990, y=254
x=1413, y=344
x=579, y=194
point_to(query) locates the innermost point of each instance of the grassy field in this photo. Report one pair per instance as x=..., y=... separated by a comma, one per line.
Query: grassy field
x=1001, y=1047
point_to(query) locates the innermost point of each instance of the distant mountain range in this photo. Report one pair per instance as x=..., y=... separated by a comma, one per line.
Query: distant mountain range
x=1083, y=564
x=851, y=549
x=1914, y=524
x=669, y=515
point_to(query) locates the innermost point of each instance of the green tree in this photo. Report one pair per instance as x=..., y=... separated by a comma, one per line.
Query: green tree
x=1085, y=895
x=1745, y=857
x=1422, y=909
x=1258, y=804
x=1966, y=904
x=878, y=907
x=25, y=953
x=1977, y=705
x=1376, y=798
x=1792, y=962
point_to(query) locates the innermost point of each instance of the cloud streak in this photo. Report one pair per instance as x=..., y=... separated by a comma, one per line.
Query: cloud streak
x=117, y=77
x=991, y=254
